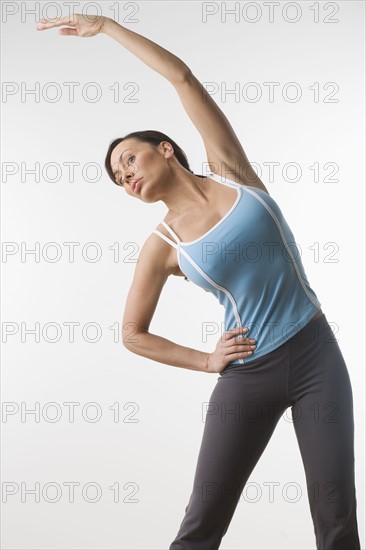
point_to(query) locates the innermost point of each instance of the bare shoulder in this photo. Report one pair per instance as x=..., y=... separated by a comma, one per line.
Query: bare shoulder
x=150, y=275
x=157, y=247
x=154, y=248
x=257, y=183
x=223, y=148
x=224, y=170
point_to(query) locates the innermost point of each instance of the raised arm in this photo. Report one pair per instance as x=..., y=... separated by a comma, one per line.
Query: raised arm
x=225, y=153
x=156, y=57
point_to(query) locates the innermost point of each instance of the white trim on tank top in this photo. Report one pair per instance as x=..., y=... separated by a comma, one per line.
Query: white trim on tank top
x=180, y=250
x=193, y=263
x=215, y=177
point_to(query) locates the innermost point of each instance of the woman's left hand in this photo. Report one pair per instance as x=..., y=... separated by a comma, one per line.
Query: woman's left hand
x=78, y=24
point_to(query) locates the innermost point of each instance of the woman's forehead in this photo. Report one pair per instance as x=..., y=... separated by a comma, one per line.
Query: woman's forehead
x=121, y=148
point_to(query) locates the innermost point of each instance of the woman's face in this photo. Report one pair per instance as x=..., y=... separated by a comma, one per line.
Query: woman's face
x=133, y=160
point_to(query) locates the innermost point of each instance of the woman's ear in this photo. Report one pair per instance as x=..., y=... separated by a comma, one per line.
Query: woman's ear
x=167, y=149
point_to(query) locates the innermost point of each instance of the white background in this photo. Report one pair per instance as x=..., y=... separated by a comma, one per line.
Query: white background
x=153, y=458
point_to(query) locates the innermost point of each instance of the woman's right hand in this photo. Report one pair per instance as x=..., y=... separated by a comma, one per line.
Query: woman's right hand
x=229, y=348
x=77, y=24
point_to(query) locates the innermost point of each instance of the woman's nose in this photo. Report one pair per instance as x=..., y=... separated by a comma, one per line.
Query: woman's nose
x=128, y=179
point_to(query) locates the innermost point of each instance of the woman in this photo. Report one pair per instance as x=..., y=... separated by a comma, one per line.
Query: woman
x=224, y=232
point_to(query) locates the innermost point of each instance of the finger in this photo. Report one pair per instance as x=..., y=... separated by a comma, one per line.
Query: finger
x=238, y=355
x=241, y=347
x=233, y=338
x=234, y=332
x=238, y=343
x=243, y=340
x=67, y=31
x=57, y=22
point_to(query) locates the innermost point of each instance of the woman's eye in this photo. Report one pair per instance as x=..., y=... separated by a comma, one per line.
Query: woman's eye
x=128, y=160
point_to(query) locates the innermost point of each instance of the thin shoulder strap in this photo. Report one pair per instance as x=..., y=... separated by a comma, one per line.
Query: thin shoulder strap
x=171, y=231
x=224, y=180
x=165, y=238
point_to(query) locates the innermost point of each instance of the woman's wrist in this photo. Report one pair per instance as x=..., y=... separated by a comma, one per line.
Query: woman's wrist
x=206, y=366
x=108, y=24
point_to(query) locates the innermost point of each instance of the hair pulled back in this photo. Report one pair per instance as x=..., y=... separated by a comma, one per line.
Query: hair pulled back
x=153, y=137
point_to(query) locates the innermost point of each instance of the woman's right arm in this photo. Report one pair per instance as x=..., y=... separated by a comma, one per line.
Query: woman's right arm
x=151, y=273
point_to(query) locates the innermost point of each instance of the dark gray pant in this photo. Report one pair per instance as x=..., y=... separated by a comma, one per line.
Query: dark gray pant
x=308, y=373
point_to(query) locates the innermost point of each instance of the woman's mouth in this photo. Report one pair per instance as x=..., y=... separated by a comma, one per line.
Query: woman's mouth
x=136, y=185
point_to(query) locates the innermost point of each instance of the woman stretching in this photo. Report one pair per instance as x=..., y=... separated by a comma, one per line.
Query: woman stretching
x=225, y=233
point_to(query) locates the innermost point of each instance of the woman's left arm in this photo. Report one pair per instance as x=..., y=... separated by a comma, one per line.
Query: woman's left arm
x=225, y=154
x=156, y=57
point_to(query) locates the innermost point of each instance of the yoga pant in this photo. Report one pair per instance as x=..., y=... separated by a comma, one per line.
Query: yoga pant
x=307, y=373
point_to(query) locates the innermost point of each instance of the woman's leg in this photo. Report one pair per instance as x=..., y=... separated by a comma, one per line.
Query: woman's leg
x=243, y=410
x=320, y=388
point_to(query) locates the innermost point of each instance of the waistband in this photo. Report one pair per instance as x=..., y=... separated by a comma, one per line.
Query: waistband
x=316, y=327
x=315, y=330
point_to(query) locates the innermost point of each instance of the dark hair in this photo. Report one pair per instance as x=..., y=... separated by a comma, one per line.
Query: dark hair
x=148, y=136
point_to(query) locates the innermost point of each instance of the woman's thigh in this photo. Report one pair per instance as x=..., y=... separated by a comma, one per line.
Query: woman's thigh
x=241, y=415
x=322, y=411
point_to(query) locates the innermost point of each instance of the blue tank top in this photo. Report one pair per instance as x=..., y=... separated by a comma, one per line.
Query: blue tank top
x=250, y=262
